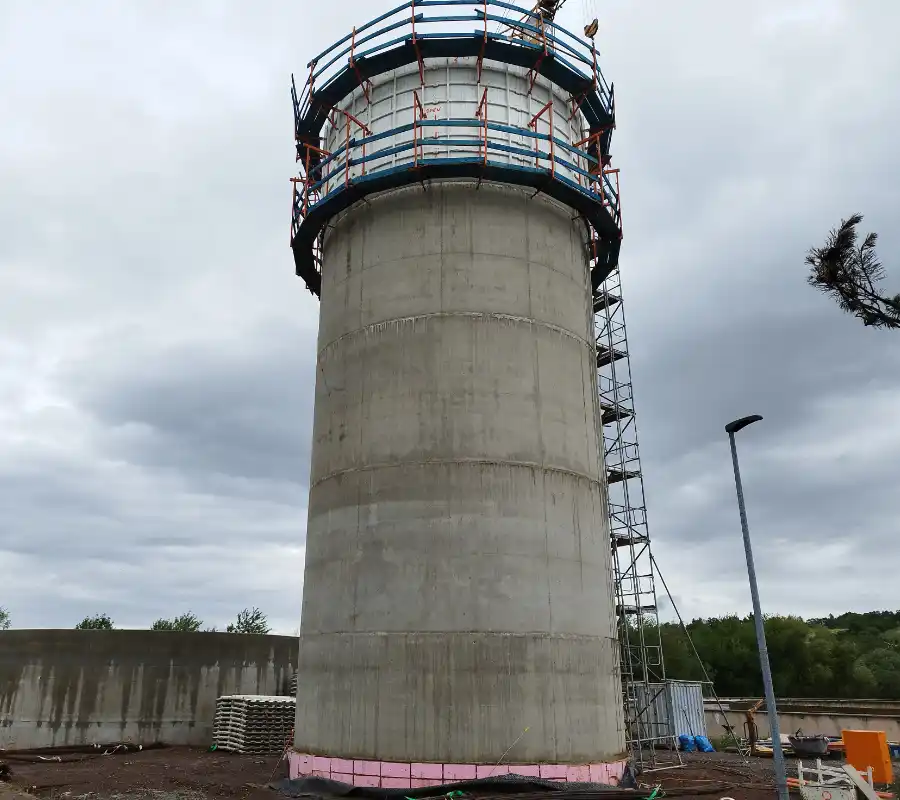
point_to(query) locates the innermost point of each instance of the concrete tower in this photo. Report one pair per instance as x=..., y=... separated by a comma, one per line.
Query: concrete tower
x=454, y=217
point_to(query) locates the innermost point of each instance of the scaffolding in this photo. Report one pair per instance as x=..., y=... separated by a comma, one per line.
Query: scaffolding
x=650, y=739
x=411, y=34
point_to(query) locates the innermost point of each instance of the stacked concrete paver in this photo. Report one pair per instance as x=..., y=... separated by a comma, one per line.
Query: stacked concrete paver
x=253, y=723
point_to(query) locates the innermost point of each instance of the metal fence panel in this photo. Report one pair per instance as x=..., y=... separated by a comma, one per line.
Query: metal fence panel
x=685, y=703
x=668, y=709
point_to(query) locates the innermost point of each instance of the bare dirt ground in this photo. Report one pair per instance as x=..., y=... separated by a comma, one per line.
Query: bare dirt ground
x=172, y=773
x=179, y=773
x=717, y=775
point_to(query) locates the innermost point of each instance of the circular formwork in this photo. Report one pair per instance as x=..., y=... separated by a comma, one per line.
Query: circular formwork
x=451, y=107
x=411, y=105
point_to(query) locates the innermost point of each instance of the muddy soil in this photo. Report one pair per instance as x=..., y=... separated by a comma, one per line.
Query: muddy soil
x=180, y=773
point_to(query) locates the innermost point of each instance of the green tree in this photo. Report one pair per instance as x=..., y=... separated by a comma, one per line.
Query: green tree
x=249, y=621
x=187, y=623
x=800, y=656
x=881, y=669
x=99, y=622
x=728, y=645
x=5, y=620
x=864, y=679
x=851, y=655
x=679, y=657
x=850, y=273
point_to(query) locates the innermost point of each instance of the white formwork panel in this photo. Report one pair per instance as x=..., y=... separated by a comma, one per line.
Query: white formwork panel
x=452, y=92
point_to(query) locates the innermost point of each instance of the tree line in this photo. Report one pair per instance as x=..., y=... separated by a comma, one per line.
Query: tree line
x=844, y=657
x=250, y=620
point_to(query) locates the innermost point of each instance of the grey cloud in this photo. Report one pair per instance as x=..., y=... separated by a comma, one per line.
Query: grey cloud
x=157, y=353
x=243, y=410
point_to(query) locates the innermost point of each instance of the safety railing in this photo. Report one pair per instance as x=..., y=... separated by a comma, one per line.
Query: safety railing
x=418, y=20
x=362, y=155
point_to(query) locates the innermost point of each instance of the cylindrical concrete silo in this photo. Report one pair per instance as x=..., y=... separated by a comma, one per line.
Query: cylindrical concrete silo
x=454, y=219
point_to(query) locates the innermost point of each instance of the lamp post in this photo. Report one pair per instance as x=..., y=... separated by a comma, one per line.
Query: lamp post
x=778, y=754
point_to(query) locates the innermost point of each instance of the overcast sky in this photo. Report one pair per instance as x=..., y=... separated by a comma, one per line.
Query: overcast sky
x=156, y=351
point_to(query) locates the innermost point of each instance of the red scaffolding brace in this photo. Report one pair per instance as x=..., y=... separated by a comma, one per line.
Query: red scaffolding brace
x=595, y=162
x=351, y=120
x=577, y=101
x=533, y=125
x=308, y=182
x=535, y=70
x=313, y=179
x=364, y=82
x=482, y=114
x=418, y=116
x=483, y=42
x=415, y=44
x=607, y=202
x=617, y=210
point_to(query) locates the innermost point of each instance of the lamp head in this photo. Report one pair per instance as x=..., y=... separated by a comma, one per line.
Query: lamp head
x=740, y=424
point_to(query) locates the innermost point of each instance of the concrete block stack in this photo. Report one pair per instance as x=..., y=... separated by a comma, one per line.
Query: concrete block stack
x=253, y=723
x=293, y=689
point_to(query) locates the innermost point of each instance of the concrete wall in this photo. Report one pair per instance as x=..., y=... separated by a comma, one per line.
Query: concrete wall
x=62, y=687
x=827, y=717
x=458, y=578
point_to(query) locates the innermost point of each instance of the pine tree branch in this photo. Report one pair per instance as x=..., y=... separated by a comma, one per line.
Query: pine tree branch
x=850, y=275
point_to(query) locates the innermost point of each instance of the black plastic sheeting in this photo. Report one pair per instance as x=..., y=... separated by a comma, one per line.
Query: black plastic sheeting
x=502, y=786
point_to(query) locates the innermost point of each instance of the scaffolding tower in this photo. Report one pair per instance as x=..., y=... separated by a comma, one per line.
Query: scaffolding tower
x=650, y=739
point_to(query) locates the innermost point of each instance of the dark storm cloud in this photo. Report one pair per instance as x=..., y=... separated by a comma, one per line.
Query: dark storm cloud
x=156, y=351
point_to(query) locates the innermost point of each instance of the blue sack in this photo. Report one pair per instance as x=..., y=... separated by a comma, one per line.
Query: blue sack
x=687, y=743
x=704, y=745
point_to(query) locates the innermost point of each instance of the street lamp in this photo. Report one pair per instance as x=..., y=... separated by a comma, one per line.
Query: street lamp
x=778, y=754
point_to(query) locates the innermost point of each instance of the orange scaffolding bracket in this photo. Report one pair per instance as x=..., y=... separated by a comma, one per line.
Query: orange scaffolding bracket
x=548, y=109
x=351, y=120
x=308, y=178
x=482, y=114
x=608, y=203
x=577, y=102
x=533, y=72
x=415, y=43
x=364, y=82
x=483, y=42
x=418, y=115
x=595, y=166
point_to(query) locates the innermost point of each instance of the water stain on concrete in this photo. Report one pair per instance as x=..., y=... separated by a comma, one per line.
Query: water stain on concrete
x=78, y=687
